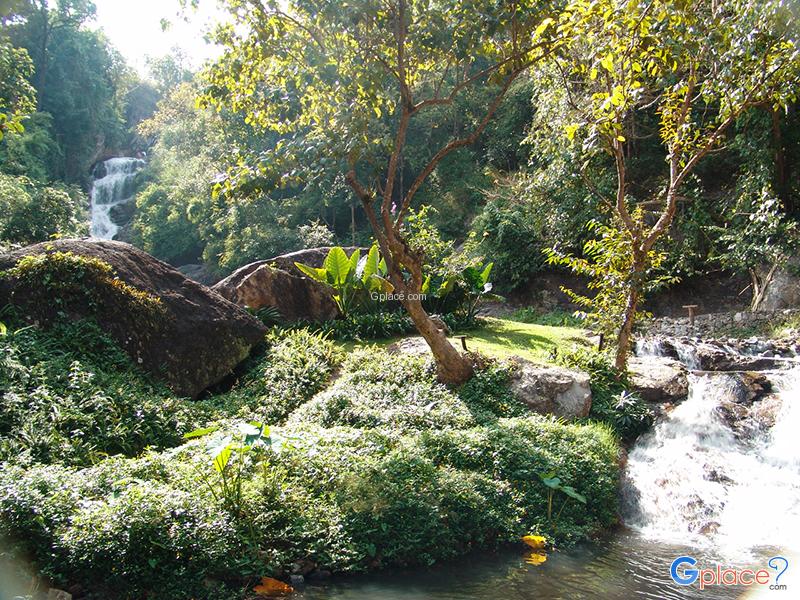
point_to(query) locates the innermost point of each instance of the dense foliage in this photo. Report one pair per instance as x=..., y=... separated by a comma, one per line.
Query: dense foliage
x=71, y=396
x=386, y=467
x=31, y=212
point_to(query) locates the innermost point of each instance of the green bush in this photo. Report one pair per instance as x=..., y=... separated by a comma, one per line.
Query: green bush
x=488, y=396
x=295, y=366
x=367, y=326
x=612, y=402
x=71, y=396
x=553, y=318
x=380, y=389
x=336, y=498
x=32, y=212
x=119, y=537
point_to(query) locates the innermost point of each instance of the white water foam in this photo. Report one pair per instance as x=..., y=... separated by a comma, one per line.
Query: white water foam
x=691, y=481
x=114, y=188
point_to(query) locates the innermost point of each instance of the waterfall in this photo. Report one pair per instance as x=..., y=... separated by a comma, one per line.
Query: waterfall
x=112, y=186
x=691, y=480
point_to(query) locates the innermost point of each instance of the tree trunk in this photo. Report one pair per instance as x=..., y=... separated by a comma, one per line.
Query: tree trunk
x=760, y=285
x=452, y=367
x=626, y=331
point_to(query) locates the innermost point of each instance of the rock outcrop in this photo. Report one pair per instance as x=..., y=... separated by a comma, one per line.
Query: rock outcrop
x=191, y=340
x=552, y=390
x=747, y=403
x=295, y=297
x=729, y=354
x=783, y=292
x=658, y=379
x=278, y=283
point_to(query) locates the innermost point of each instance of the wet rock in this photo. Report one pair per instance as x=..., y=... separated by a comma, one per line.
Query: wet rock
x=303, y=567
x=658, y=379
x=55, y=594
x=708, y=528
x=764, y=413
x=297, y=581
x=194, y=339
x=717, y=477
x=122, y=213
x=319, y=575
x=552, y=390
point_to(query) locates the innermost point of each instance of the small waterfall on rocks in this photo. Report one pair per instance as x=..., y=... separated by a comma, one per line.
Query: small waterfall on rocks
x=112, y=186
x=696, y=479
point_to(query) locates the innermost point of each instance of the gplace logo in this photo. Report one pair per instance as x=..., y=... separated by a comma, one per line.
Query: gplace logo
x=683, y=572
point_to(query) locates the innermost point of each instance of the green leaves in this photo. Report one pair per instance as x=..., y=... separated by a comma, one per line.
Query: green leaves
x=353, y=278
x=337, y=266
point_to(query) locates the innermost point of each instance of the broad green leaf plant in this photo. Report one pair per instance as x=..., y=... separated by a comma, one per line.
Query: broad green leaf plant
x=228, y=455
x=352, y=278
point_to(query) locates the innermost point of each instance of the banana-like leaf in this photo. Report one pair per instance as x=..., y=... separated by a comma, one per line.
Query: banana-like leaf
x=570, y=491
x=355, y=257
x=379, y=284
x=426, y=285
x=337, y=266
x=382, y=268
x=446, y=287
x=370, y=265
x=221, y=453
x=315, y=273
x=485, y=274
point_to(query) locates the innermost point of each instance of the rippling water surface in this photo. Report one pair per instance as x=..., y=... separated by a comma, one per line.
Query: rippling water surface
x=621, y=567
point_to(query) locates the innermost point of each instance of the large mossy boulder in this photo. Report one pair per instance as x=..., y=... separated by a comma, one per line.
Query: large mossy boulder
x=278, y=283
x=178, y=330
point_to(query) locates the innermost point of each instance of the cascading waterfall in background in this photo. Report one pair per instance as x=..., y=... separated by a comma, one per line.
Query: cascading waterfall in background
x=691, y=480
x=112, y=186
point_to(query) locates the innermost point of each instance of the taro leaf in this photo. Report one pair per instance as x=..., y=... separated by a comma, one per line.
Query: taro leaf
x=426, y=285
x=313, y=272
x=369, y=264
x=379, y=284
x=472, y=278
x=337, y=266
x=485, y=274
x=221, y=453
x=570, y=491
x=199, y=432
x=552, y=482
x=355, y=257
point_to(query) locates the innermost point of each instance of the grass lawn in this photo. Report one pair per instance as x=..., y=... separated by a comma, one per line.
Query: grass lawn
x=502, y=338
